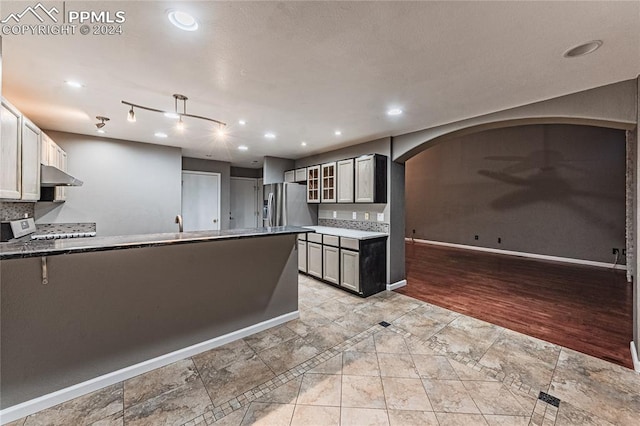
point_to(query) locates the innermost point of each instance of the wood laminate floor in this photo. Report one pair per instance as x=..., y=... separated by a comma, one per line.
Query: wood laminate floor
x=584, y=308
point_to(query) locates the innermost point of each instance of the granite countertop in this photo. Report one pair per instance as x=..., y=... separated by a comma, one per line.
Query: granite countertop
x=348, y=233
x=32, y=248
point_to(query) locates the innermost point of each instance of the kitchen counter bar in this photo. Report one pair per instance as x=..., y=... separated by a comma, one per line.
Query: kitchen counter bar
x=41, y=248
x=98, y=312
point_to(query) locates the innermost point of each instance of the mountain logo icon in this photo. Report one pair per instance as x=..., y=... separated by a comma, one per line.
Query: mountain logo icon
x=38, y=11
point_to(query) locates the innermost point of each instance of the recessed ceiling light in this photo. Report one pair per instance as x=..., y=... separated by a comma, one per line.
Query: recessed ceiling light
x=243, y=148
x=337, y=132
x=220, y=133
x=242, y=122
x=100, y=131
x=74, y=84
x=160, y=135
x=303, y=143
x=394, y=111
x=270, y=135
x=583, y=49
x=182, y=20
x=171, y=115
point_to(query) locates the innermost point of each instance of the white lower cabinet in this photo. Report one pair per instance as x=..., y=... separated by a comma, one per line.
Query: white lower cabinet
x=314, y=259
x=350, y=270
x=331, y=264
x=302, y=256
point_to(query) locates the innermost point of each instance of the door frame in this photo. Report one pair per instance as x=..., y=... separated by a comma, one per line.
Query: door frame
x=258, y=212
x=193, y=172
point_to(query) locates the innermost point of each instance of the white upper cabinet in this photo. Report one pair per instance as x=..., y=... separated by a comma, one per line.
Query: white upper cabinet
x=301, y=175
x=328, y=182
x=31, y=136
x=290, y=176
x=10, y=155
x=345, y=181
x=313, y=184
x=371, y=179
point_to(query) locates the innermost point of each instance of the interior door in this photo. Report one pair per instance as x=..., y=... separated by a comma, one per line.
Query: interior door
x=244, y=206
x=201, y=201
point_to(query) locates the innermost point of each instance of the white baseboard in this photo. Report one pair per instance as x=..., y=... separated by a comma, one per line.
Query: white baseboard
x=634, y=357
x=396, y=285
x=26, y=408
x=523, y=254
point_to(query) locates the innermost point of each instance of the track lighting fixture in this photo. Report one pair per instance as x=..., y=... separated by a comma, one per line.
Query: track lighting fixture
x=171, y=114
x=102, y=123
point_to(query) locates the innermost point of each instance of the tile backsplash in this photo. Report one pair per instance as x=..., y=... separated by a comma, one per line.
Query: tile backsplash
x=65, y=228
x=13, y=211
x=360, y=225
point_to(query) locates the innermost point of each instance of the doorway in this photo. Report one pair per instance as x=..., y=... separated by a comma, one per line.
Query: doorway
x=201, y=201
x=244, y=207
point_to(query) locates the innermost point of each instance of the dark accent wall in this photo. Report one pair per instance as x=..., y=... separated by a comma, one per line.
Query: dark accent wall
x=556, y=190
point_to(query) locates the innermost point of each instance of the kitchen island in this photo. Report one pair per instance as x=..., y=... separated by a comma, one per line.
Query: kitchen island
x=77, y=315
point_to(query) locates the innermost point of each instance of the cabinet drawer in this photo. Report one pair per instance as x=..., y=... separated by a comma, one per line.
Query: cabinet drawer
x=330, y=240
x=350, y=243
x=302, y=237
x=314, y=238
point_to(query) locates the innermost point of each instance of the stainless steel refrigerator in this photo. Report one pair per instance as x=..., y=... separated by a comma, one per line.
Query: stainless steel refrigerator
x=286, y=204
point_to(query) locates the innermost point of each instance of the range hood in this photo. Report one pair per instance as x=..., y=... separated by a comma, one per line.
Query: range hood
x=51, y=176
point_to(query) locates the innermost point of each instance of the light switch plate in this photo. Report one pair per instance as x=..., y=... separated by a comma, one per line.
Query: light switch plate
x=354, y=215
x=380, y=217
x=366, y=215
x=335, y=214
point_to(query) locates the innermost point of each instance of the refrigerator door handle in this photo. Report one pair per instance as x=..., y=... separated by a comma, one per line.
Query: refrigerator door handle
x=270, y=210
x=285, y=207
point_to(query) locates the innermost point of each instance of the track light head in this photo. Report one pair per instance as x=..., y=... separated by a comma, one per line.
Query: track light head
x=102, y=123
x=131, y=116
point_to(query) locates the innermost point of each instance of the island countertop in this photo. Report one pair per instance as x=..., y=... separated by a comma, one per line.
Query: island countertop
x=36, y=248
x=348, y=233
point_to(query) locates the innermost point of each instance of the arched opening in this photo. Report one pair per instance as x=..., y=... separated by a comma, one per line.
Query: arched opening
x=516, y=222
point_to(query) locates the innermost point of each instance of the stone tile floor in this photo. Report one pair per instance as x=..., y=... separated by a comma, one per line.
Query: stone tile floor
x=336, y=365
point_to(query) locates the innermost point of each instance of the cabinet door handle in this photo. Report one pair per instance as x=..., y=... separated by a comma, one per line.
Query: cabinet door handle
x=215, y=220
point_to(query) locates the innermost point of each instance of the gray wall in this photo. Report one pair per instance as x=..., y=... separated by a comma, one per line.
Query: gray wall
x=129, y=187
x=395, y=177
x=549, y=189
x=612, y=106
x=274, y=168
x=224, y=168
x=246, y=172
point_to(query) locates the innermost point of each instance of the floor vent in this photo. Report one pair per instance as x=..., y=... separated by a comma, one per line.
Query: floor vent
x=384, y=323
x=552, y=400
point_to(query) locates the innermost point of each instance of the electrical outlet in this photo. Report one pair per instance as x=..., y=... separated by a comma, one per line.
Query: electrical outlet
x=414, y=231
x=475, y=238
x=380, y=217
x=335, y=214
x=499, y=240
x=616, y=251
x=354, y=215
x=366, y=215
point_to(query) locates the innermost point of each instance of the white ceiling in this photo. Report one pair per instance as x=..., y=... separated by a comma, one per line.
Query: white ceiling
x=304, y=69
